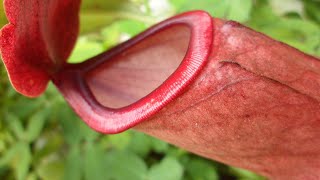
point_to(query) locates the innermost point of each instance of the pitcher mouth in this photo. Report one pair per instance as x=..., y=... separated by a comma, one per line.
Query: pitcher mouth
x=140, y=69
x=126, y=85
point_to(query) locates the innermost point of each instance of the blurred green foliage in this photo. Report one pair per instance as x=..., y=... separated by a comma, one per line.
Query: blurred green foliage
x=3, y=19
x=43, y=139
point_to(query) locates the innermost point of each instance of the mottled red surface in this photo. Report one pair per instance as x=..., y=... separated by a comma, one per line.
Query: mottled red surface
x=37, y=41
x=255, y=105
x=225, y=91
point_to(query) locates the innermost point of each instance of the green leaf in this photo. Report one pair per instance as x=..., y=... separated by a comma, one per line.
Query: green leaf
x=116, y=32
x=168, y=169
x=245, y=174
x=74, y=163
x=51, y=168
x=15, y=126
x=176, y=152
x=46, y=144
x=159, y=146
x=23, y=107
x=85, y=49
x=97, y=20
x=238, y=10
x=94, y=167
x=69, y=122
x=120, y=141
x=304, y=35
x=8, y=156
x=87, y=133
x=131, y=27
x=32, y=176
x=199, y=169
x=125, y=165
x=100, y=13
x=22, y=161
x=140, y=144
x=19, y=159
x=3, y=19
x=36, y=124
x=110, y=5
x=312, y=9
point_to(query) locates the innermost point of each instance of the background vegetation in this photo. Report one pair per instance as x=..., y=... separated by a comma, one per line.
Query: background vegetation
x=43, y=139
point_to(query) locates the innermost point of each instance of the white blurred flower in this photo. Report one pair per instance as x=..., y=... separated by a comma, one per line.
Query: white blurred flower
x=160, y=8
x=282, y=7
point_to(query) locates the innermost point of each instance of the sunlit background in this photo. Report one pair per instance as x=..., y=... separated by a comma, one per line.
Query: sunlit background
x=43, y=139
